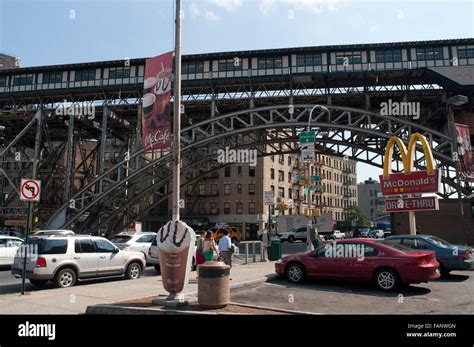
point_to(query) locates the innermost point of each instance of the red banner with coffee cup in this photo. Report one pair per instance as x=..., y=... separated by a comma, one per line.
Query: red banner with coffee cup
x=156, y=105
x=465, y=154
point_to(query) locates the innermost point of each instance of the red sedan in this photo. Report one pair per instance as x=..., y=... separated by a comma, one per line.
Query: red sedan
x=387, y=264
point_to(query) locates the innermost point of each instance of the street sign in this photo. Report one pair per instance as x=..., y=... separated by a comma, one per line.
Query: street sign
x=415, y=182
x=307, y=137
x=315, y=178
x=307, y=152
x=30, y=190
x=422, y=203
x=269, y=198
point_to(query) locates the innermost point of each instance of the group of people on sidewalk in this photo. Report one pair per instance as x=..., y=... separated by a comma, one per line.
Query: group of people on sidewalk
x=207, y=250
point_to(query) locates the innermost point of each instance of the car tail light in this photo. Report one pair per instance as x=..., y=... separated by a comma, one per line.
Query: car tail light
x=41, y=262
x=465, y=255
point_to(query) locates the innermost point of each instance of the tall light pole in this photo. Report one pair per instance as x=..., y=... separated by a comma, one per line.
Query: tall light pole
x=457, y=100
x=309, y=245
x=177, y=116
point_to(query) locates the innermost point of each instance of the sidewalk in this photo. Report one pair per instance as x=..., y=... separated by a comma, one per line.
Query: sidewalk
x=76, y=299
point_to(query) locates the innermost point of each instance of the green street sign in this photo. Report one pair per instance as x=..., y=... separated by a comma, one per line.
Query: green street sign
x=315, y=178
x=307, y=137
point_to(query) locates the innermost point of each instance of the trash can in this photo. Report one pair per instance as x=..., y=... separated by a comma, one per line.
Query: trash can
x=213, y=284
x=274, y=251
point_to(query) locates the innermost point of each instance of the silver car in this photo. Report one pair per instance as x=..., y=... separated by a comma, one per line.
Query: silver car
x=65, y=259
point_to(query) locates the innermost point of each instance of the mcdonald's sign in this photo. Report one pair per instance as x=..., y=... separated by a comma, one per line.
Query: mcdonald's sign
x=409, y=181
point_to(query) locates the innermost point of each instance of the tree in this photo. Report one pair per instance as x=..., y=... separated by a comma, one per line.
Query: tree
x=357, y=218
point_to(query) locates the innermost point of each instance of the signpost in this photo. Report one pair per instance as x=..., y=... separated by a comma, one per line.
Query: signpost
x=307, y=152
x=422, y=203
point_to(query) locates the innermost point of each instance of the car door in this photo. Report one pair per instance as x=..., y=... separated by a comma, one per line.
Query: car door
x=322, y=263
x=110, y=262
x=365, y=261
x=143, y=243
x=86, y=257
x=3, y=252
x=300, y=234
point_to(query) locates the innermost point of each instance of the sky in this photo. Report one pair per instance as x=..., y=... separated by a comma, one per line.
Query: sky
x=73, y=31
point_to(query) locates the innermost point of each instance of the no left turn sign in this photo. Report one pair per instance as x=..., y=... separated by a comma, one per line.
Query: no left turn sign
x=30, y=190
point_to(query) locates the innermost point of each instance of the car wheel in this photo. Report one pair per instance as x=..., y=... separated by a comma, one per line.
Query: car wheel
x=387, y=280
x=157, y=268
x=443, y=270
x=65, y=278
x=291, y=238
x=295, y=273
x=133, y=272
x=38, y=282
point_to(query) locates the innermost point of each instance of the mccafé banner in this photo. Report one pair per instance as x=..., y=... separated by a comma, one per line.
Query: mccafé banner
x=465, y=152
x=410, y=181
x=156, y=105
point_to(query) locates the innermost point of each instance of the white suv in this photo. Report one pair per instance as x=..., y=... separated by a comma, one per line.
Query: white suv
x=136, y=242
x=65, y=259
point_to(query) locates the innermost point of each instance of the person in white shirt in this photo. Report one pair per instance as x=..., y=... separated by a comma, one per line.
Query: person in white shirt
x=225, y=248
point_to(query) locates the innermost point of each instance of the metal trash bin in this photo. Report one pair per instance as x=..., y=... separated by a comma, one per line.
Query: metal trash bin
x=213, y=284
x=274, y=251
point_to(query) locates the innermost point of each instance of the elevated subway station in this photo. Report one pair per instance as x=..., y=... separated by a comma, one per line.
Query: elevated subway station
x=96, y=176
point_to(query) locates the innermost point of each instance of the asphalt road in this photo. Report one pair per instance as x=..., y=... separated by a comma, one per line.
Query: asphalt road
x=451, y=295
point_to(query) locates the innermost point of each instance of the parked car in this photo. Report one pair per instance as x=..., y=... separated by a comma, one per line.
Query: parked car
x=294, y=234
x=65, y=259
x=337, y=235
x=52, y=232
x=450, y=257
x=218, y=233
x=137, y=242
x=154, y=256
x=387, y=264
x=11, y=233
x=376, y=234
x=8, y=247
x=364, y=232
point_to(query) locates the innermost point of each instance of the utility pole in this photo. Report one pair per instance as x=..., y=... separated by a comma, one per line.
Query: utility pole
x=177, y=116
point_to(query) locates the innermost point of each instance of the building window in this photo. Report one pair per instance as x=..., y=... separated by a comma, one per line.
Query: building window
x=251, y=208
x=202, y=189
x=227, y=171
x=22, y=80
x=119, y=73
x=270, y=63
x=289, y=160
x=281, y=158
x=229, y=65
x=52, y=77
x=240, y=208
x=252, y=189
x=309, y=59
x=281, y=192
x=272, y=188
x=193, y=67
x=214, y=209
x=239, y=170
x=463, y=53
x=226, y=207
x=85, y=75
x=251, y=171
x=388, y=56
x=201, y=208
x=348, y=58
x=272, y=174
x=272, y=158
x=281, y=176
x=239, y=188
x=227, y=189
x=214, y=190
x=430, y=53
x=289, y=177
x=3, y=81
x=289, y=193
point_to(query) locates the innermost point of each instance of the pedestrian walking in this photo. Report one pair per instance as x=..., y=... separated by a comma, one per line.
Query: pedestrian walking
x=226, y=248
x=200, y=259
x=209, y=246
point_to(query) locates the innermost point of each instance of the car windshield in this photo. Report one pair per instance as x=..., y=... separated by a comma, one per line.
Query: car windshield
x=396, y=246
x=440, y=242
x=121, y=238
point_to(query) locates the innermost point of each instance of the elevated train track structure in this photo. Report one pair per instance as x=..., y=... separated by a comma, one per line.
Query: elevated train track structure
x=248, y=99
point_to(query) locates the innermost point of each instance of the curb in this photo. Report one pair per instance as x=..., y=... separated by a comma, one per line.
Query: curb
x=275, y=309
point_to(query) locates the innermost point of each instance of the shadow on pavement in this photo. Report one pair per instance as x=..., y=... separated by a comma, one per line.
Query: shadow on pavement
x=453, y=278
x=352, y=288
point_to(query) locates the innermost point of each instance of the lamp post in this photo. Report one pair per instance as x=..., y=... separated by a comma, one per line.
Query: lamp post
x=309, y=245
x=457, y=100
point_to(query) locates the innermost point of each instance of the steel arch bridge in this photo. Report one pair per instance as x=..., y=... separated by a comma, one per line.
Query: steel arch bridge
x=354, y=133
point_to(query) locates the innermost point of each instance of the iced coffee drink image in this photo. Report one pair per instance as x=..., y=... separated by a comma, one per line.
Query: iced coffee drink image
x=175, y=241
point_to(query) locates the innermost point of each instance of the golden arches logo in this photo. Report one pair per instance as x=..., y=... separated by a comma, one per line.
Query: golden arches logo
x=408, y=155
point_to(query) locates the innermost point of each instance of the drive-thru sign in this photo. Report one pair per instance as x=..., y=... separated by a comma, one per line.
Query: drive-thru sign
x=30, y=190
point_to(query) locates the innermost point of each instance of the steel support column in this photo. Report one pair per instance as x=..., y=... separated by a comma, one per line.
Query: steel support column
x=70, y=158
